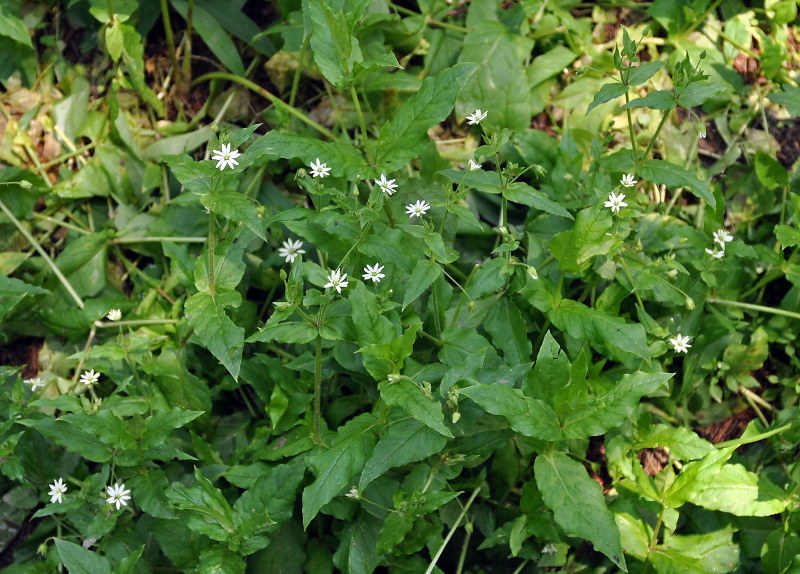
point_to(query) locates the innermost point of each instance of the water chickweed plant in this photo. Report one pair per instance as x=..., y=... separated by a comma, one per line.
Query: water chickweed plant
x=410, y=287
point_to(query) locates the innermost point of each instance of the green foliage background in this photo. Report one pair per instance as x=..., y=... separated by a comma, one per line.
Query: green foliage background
x=510, y=397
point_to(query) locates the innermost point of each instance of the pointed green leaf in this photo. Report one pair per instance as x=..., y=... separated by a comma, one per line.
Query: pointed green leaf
x=643, y=72
x=356, y=553
x=405, y=441
x=607, y=93
x=423, y=276
x=409, y=397
x=78, y=560
x=695, y=477
x=405, y=135
x=666, y=173
x=527, y=416
x=371, y=326
x=336, y=467
x=577, y=503
x=738, y=491
x=335, y=48
x=216, y=332
x=658, y=100
x=214, y=36
x=509, y=332
x=236, y=207
x=205, y=508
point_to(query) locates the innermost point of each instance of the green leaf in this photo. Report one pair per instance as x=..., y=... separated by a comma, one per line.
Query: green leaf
x=371, y=326
x=12, y=291
x=149, y=489
x=213, y=35
x=270, y=501
x=666, y=173
x=577, y=503
x=335, y=48
x=527, y=416
x=195, y=176
x=697, y=93
x=549, y=64
x=344, y=160
x=286, y=332
x=114, y=40
x=78, y=560
x=738, y=491
x=644, y=72
x=770, y=172
x=575, y=248
x=607, y=93
x=216, y=332
x=404, y=136
x=658, y=100
x=788, y=236
x=509, y=332
x=696, y=477
x=605, y=332
x=501, y=84
x=780, y=551
x=550, y=373
x=71, y=438
x=13, y=28
x=789, y=96
x=608, y=411
x=520, y=192
x=409, y=397
x=159, y=425
x=220, y=560
x=336, y=467
x=127, y=564
x=356, y=553
x=423, y=276
x=205, y=508
x=405, y=441
x=682, y=443
x=236, y=207
x=697, y=553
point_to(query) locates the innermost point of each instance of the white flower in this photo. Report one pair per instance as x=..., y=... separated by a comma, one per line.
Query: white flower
x=388, y=186
x=337, y=280
x=417, y=209
x=374, y=273
x=715, y=253
x=114, y=315
x=118, y=495
x=549, y=548
x=354, y=494
x=627, y=180
x=319, y=169
x=473, y=165
x=90, y=377
x=34, y=383
x=476, y=117
x=701, y=131
x=722, y=237
x=615, y=202
x=57, y=490
x=680, y=344
x=226, y=157
x=290, y=250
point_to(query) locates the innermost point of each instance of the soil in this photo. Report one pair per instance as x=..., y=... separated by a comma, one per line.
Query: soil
x=24, y=351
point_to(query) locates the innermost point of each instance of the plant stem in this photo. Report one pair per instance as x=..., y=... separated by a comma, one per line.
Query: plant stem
x=271, y=97
x=463, y=555
x=633, y=136
x=364, y=135
x=296, y=78
x=461, y=516
x=156, y=239
x=211, y=247
x=187, y=45
x=435, y=299
x=752, y=307
x=317, y=389
x=171, y=44
x=43, y=254
x=134, y=322
x=655, y=135
x=653, y=541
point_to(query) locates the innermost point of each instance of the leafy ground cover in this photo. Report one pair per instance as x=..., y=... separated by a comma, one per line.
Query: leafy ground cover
x=365, y=286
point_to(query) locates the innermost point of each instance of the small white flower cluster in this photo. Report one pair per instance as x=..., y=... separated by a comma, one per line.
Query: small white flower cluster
x=616, y=202
x=114, y=315
x=117, y=494
x=34, y=383
x=721, y=237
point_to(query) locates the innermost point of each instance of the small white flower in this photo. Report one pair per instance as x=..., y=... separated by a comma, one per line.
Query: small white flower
x=225, y=157
x=57, y=490
x=290, y=250
x=374, y=273
x=90, y=377
x=549, y=548
x=417, y=209
x=354, y=494
x=388, y=186
x=615, y=202
x=680, y=344
x=118, y=495
x=337, y=280
x=473, y=165
x=34, y=383
x=319, y=169
x=701, y=131
x=477, y=117
x=114, y=315
x=722, y=237
x=716, y=254
x=627, y=180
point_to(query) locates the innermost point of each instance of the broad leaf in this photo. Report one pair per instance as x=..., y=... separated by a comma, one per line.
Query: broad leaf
x=658, y=100
x=527, y=416
x=236, y=207
x=607, y=93
x=409, y=397
x=577, y=503
x=423, y=276
x=738, y=491
x=78, y=560
x=216, y=332
x=509, y=333
x=695, y=477
x=666, y=173
x=205, y=508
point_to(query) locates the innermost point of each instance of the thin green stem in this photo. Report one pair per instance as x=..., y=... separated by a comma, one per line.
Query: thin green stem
x=653, y=541
x=43, y=254
x=317, y=389
x=461, y=516
x=463, y=555
x=211, y=247
x=655, y=135
x=364, y=135
x=702, y=17
x=134, y=323
x=630, y=128
x=187, y=45
x=158, y=239
x=751, y=439
x=61, y=223
x=296, y=78
x=435, y=299
x=752, y=307
x=630, y=278
x=271, y=97
x=171, y=43
x=66, y=156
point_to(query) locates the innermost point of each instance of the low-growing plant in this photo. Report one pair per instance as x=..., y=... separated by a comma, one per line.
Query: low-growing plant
x=388, y=325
